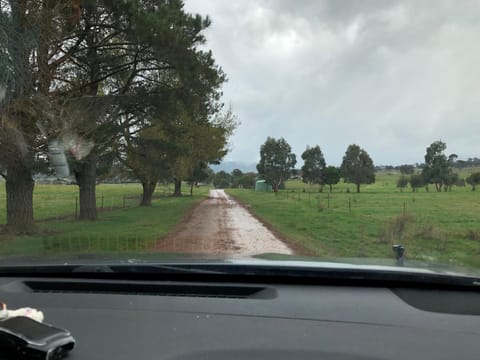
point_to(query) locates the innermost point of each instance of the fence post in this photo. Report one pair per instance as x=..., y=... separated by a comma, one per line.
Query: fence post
x=349, y=205
x=101, y=204
x=404, y=208
x=76, y=207
x=124, y=201
x=328, y=201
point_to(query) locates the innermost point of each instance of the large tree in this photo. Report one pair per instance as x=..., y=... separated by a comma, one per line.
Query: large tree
x=416, y=182
x=473, y=180
x=222, y=180
x=178, y=149
x=200, y=142
x=438, y=167
x=331, y=176
x=36, y=38
x=276, y=162
x=145, y=156
x=402, y=182
x=406, y=169
x=451, y=179
x=74, y=68
x=200, y=173
x=136, y=55
x=313, y=165
x=357, y=167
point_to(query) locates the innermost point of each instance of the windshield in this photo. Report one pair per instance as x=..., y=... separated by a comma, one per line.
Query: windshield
x=320, y=131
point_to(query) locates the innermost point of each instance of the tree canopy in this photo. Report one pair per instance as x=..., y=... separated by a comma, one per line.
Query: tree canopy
x=313, y=165
x=406, y=169
x=473, y=180
x=331, y=176
x=100, y=78
x=416, y=182
x=402, y=182
x=276, y=161
x=438, y=167
x=357, y=166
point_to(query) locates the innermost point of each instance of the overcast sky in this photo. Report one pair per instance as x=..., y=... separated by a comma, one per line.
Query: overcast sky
x=391, y=76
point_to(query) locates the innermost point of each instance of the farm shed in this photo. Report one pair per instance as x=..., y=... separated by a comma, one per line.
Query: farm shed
x=262, y=186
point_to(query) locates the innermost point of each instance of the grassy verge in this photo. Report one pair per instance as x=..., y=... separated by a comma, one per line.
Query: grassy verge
x=121, y=230
x=440, y=227
x=55, y=201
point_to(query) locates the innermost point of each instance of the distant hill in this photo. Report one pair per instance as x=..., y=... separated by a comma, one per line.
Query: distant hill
x=229, y=166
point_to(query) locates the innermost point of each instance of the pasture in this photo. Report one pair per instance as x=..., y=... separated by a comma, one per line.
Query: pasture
x=122, y=224
x=440, y=227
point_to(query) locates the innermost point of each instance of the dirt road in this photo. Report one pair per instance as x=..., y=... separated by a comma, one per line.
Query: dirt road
x=221, y=226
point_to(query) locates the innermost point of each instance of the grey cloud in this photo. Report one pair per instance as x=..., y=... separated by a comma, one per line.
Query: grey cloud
x=392, y=76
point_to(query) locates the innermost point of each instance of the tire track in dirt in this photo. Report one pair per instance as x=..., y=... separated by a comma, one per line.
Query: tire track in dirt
x=221, y=226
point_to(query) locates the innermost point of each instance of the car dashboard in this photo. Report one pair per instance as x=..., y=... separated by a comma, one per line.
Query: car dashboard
x=131, y=319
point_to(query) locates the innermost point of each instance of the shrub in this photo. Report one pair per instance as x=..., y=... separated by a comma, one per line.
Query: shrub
x=432, y=232
x=473, y=234
x=429, y=232
x=402, y=182
x=396, y=229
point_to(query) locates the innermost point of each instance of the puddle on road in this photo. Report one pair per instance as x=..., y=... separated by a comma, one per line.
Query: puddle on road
x=249, y=236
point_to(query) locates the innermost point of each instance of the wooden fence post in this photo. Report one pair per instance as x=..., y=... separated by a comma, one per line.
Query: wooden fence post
x=76, y=207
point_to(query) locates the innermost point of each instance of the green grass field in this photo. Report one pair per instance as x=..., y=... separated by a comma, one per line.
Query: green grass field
x=132, y=228
x=440, y=227
x=52, y=201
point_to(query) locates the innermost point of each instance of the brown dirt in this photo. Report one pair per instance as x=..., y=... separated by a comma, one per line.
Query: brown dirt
x=297, y=248
x=221, y=226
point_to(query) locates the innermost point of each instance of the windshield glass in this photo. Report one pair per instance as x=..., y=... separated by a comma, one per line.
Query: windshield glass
x=320, y=131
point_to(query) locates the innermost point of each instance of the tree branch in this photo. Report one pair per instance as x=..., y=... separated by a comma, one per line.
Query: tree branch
x=69, y=53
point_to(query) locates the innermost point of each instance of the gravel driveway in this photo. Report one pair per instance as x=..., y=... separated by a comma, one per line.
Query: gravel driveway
x=221, y=226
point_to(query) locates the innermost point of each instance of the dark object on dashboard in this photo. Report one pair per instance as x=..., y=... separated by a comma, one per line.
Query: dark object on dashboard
x=399, y=252
x=441, y=301
x=24, y=338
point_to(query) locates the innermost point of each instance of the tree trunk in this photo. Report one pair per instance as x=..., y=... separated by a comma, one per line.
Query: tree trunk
x=330, y=185
x=178, y=188
x=358, y=188
x=191, y=188
x=86, y=176
x=275, y=187
x=19, y=187
x=86, y=171
x=148, y=190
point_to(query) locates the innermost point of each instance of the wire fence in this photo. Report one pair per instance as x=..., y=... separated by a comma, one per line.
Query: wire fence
x=61, y=206
x=343, y=201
